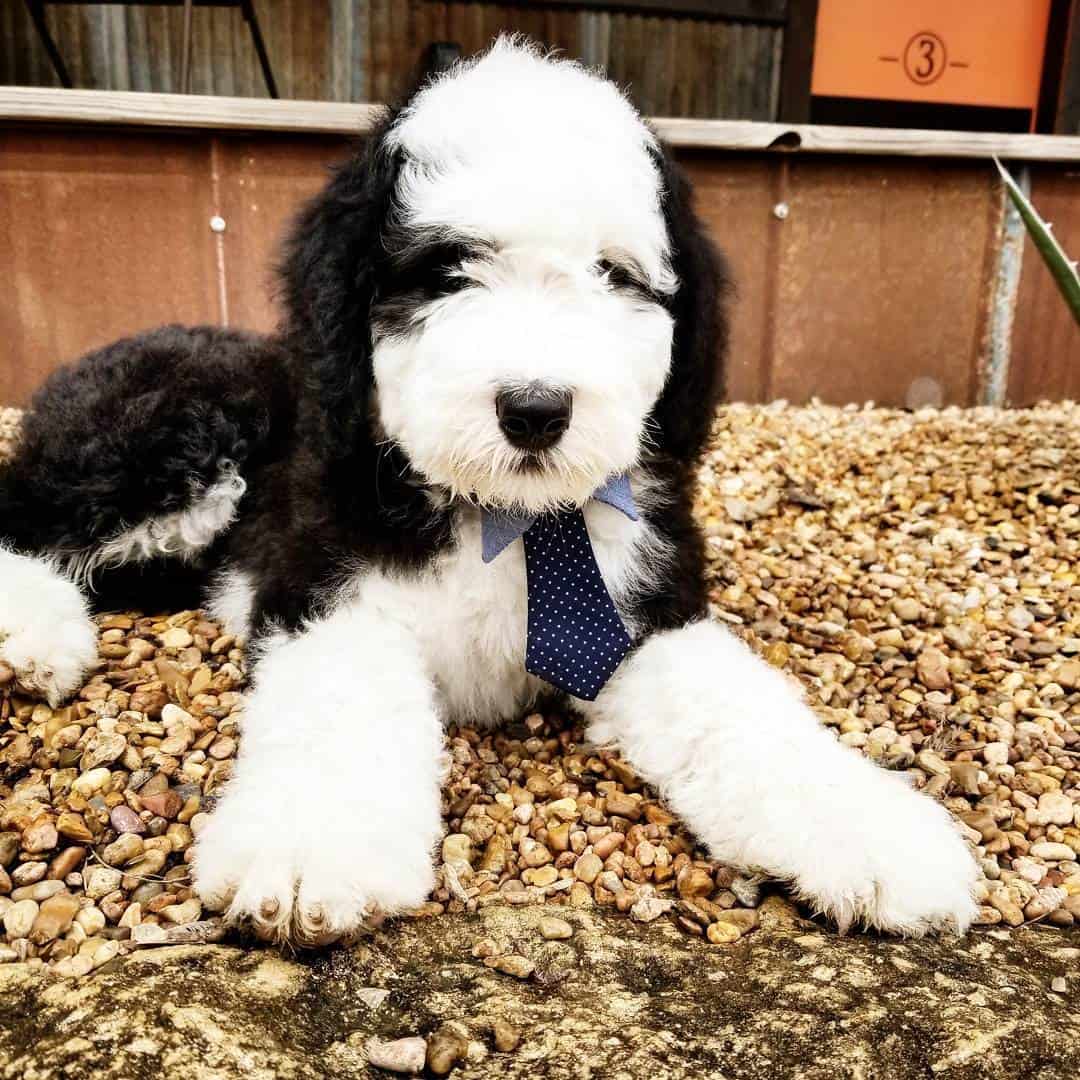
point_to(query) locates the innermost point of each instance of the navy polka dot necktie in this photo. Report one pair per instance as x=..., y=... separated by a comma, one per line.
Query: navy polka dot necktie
x=576, y=639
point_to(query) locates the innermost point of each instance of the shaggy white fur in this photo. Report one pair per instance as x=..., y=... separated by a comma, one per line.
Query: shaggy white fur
x=551, y=169
x=366, y=689
x=230, y=599
x=46, y=634
x=297, y=845
x=736, y=752
x=534, y=152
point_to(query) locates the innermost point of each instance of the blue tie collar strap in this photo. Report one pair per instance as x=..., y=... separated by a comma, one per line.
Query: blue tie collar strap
x=500, y=528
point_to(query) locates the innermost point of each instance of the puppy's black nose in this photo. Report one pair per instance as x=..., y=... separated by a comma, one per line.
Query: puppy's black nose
x=534, y=418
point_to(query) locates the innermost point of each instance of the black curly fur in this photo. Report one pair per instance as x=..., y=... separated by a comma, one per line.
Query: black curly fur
x=132, y=429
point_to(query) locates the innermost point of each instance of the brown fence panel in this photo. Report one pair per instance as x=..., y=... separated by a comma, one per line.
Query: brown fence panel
x=105, y=233
x=1045, y=360
x=261, y=183
x=883, y=280
x=858, y=277
x=735, y=196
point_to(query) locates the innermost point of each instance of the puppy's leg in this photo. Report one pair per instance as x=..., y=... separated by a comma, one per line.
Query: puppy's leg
x=334, y=811
x=46, y=636
x=743, y=760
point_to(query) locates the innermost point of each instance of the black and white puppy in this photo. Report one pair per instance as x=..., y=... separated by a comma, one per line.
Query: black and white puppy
x=514, y=231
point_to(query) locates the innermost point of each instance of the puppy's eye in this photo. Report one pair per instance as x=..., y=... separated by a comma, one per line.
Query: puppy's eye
x=620, y=276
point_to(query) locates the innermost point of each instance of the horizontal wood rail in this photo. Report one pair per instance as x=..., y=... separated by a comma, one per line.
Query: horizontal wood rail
x=36, y=105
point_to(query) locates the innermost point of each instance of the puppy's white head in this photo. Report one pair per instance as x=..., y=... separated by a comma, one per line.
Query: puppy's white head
x=518, y=331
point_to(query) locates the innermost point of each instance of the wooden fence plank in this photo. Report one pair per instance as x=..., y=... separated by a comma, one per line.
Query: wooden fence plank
x=1045, y=359
x=881, y=290
x=103, y=236
x=21, y=103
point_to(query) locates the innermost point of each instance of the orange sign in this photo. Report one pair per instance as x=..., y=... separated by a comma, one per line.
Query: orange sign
x=960, y=52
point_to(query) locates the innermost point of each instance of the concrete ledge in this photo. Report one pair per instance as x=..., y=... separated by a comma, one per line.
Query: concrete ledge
x=618, y=1000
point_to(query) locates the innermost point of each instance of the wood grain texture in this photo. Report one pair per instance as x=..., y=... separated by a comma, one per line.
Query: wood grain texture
x=371, y=50
x=38, y=104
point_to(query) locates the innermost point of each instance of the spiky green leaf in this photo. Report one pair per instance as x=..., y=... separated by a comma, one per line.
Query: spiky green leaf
x=1060, y=265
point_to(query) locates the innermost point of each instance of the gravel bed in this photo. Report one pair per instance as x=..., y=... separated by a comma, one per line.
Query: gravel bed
x=917, y=572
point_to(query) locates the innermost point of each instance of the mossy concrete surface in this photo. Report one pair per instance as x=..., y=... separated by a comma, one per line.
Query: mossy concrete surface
x=618, y=1000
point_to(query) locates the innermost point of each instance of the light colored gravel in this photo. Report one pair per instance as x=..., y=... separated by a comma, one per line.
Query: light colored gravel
x=918, y=573
x=921, y=574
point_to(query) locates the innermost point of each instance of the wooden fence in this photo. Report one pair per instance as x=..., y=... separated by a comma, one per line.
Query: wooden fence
x=871, y=265
x=372, y=50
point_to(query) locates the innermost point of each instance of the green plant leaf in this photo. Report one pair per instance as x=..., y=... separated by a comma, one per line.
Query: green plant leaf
x=1060, y=265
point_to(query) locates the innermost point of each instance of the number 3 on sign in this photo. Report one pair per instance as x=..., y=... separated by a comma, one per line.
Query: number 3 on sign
x=924, y=58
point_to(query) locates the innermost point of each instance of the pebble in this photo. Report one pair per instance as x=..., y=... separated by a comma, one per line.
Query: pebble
x=446, y=1047
x=588, y=867
x=39, y=891
x=187, y=912
x=91, y=781
x=126, y=847
x=553, y=929
x=506, y=1036
x=91, y=920
x=19, y=918
x=1054, y=808
x=650, y=908
x=125, y=820
x=398, y=1055
x=1009, y=910
x=176, y=637
x=619, y=804
x=723, y=933
x=40, y=836
x=29, y=872
x=9, y=848
x=457, y=848
x=149, y=934
x=165, y=804
x=103, y=749
x=744, y=918
x=99, y=881
x=54, y=918
x=1052, y=852
x=908, y=610
x=521, y=967
x=74, y=827
x=933, y=669
x=694, y=881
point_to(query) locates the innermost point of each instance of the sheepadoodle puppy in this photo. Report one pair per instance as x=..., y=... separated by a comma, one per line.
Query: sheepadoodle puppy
x=458, y=479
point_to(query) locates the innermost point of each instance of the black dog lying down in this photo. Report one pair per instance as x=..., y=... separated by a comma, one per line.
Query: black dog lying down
x=459, y=478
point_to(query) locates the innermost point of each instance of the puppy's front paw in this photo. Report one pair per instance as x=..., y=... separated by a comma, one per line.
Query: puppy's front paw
x=47, y=639
x=309, y=876
x=903, y=868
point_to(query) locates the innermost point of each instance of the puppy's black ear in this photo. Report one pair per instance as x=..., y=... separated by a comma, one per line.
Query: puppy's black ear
x=328, y=277
x=685, y=409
